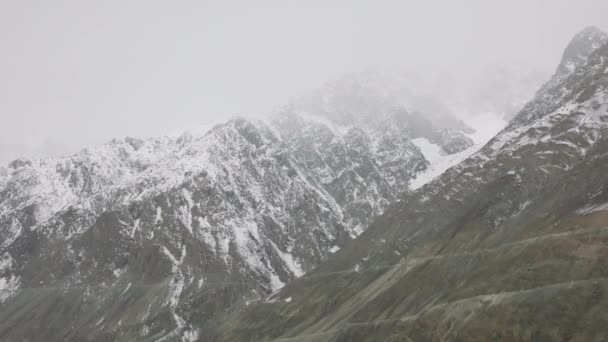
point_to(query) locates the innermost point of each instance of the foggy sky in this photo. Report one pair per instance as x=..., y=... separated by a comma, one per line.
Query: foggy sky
x=76, y=73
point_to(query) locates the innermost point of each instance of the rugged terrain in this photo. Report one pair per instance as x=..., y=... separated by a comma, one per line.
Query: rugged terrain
x=194, y=238
x=146, y=239
x=508, y=245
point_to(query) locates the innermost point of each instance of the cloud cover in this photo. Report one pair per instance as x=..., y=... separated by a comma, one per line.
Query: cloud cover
x=75, y=73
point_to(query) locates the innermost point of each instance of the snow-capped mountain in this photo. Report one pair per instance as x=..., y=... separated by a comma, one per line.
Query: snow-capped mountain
x=180, y=238
x=146, y=238
x=508, y=245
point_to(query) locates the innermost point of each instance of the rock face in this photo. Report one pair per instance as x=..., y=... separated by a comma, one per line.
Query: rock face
x=510, y=244
x=358, y=139
x=151, y=239
x=580, y=48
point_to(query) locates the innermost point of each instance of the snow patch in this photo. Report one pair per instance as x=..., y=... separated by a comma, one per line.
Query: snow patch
x=206, y=234
x=185, y=212
x=592, y=208
x=118, y=272
x=247, y=240
x=334, y=249
x=135, y=227
x=9, y=286
x=438, y=160
x=159, y=215
x=292, y=265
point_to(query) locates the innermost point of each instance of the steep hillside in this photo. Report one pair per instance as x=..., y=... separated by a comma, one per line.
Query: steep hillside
x=508, y=245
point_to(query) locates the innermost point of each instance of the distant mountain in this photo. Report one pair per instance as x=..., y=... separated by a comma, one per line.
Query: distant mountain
x=510, y=244
x=144, y=239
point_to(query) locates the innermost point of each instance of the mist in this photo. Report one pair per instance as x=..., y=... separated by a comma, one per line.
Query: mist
x=77, y=73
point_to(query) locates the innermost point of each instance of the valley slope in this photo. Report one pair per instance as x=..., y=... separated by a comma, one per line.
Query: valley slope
x=508, y=245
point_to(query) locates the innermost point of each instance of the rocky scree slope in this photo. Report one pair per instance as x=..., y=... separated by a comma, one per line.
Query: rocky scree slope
x=510, y=244
x=150, y=239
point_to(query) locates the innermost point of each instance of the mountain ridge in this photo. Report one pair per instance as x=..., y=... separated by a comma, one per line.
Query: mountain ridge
x=512, y=238
x=180, y=229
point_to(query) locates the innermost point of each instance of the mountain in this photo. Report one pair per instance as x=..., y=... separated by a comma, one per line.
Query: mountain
x=144, y=239
x=510, y=244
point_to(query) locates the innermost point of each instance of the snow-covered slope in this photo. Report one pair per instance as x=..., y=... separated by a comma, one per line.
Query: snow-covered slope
x=438, y=161
x=229, y=207
x=177, y=229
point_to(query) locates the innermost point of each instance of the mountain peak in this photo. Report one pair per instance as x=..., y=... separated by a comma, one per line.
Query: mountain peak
x=580, y=48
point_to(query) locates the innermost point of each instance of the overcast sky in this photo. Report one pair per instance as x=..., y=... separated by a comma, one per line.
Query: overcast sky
x=76, y=73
